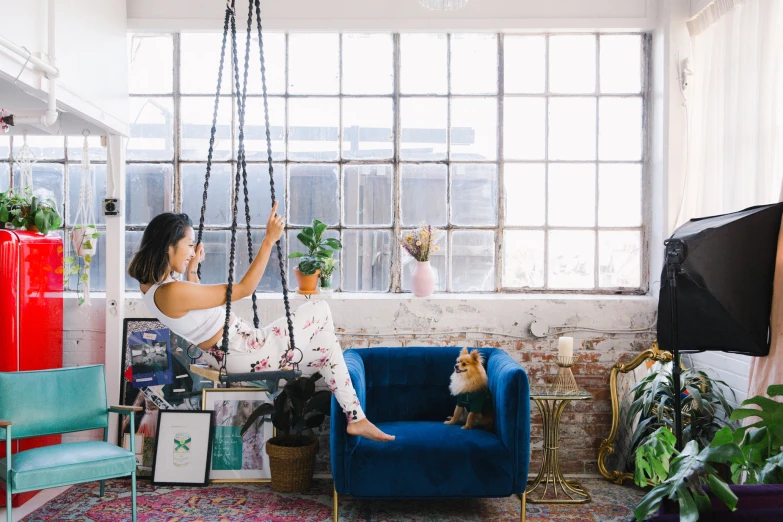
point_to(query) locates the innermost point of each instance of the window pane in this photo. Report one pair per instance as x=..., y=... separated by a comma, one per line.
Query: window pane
x=297, y=246
x=43, y=147
x=366, y=260
x=260, y=197
x=424, y=194
x=523, y=258
x=620, y=129
x=150, y=64
x=367, y=63
x=199, y=62
x=132, y=242
x=474, y=64
x=313, y=125
x=255, y=130
x=525, y=64
x=619, y=259
x=621, y=63
x=474, y=194
x=76, y=146
x=5, y=177
x=525, y=197
x=219, y=204
x=367, y=128
x=196, y=125
x=524, y=132
x=473, y=261
x=423, y=68
x=97, y=266
x=571, y=259
x=572, y=64
x=98, y=174
x=274, y=61
x=313, y=65
x=217, y=249
x=572, y=128
x=148, y=192
x=571, y=195
x=620, y=195
x=270, y=281
x=5, y=147
x=423, y=123
x=437, y=262
x=474, y=129
x=151, y=129
x=367, y=195
x=313, y=194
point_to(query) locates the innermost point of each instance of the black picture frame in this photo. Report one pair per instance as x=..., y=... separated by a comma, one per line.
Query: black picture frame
x=207, y=431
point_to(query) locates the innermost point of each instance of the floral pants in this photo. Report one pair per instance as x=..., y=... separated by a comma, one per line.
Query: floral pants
x=266, y=349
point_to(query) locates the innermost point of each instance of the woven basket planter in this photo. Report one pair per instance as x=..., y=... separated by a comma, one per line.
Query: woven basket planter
x=291, y=466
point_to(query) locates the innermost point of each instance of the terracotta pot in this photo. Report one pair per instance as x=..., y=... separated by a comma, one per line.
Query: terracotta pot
x=307, y=283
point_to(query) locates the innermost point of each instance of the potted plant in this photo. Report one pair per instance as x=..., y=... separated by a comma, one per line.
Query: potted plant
x=311, y=262
x=85, y=242
x=327, y=267
x=296, y=412
x=420, y=243
x=24, y=210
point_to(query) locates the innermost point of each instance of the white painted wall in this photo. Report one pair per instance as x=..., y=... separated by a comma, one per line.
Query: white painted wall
x=398, y=15
x=731, y=368
x=90, y=54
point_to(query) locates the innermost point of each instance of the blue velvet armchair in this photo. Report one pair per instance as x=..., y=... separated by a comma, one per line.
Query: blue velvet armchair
x=405, y=392
x=50, y=402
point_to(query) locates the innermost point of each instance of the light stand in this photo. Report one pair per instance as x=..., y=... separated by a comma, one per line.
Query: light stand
x=676, y=252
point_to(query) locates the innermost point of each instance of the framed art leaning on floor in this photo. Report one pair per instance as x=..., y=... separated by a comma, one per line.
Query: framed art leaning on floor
x=184, y=444
x=237, y=457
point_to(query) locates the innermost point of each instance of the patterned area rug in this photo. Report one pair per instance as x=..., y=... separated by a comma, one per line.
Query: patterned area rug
x=257, y=502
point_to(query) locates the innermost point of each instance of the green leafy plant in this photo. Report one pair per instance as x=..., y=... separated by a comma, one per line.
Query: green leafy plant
x=79, y=264
x=318, y=248
x=653, y=458
x=704, y=407
x=690, y=472
x=297, y=408
x=328, y=266
x=24, y=210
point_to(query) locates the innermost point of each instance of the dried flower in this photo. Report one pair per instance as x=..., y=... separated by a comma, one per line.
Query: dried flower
x=418, y=243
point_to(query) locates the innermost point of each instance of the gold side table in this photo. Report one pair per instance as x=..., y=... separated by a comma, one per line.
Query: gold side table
x=551, y=402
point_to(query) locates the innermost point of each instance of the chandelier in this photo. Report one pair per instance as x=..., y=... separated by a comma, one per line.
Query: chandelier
x=443, y=5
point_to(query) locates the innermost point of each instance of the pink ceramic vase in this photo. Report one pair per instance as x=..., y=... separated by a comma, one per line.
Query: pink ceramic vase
x=423, y=279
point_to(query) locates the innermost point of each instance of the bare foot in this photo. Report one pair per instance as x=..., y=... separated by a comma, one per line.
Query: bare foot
x=365, y=428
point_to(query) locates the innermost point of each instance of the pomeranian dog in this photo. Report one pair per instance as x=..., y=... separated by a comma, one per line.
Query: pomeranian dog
x=470, y=385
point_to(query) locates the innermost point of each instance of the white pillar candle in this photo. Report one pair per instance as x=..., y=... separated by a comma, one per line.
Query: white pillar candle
x=565, y=347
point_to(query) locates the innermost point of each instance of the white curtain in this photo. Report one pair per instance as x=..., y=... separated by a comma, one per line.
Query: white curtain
x=734, y=103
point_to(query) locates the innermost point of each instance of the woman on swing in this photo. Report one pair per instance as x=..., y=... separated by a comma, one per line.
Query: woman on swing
x=196, y=312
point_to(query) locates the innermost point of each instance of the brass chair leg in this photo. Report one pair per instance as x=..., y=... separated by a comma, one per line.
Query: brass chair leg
x=336, y=517
x=523, y=507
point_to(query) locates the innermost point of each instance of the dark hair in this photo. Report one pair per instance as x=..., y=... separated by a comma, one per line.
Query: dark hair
x=150, y=262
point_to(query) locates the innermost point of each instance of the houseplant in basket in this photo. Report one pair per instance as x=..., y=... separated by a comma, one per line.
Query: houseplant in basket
x=420, y=243
x=295, y=413
x=311, y=262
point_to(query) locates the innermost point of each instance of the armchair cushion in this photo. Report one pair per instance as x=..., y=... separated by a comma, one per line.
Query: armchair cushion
x=70, y=463
x=463, y=463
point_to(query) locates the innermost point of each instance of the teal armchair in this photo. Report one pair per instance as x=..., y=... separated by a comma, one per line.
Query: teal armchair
x=51, y=402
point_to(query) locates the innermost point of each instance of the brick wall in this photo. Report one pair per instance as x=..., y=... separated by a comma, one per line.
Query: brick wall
x=492, y=321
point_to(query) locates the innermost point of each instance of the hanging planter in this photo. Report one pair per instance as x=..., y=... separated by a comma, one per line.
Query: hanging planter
x=84, y=235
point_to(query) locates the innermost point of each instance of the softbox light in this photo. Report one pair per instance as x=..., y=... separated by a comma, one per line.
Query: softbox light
x=723, y=283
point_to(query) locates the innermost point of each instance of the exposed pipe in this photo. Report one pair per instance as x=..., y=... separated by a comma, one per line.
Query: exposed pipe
x=49, y=116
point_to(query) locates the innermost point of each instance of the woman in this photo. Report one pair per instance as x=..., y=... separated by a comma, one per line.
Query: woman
x=196, y=312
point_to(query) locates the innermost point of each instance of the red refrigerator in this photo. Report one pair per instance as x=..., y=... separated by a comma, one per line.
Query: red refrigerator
x=31, y=315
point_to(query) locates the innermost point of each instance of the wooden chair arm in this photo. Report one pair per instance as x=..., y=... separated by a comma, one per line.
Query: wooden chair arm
x=125, y=410
x=5, y=423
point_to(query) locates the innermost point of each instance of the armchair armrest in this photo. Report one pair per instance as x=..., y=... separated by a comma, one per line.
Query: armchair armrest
x=125, y=410
x=4, y=423
x=340, y=442
x=510, y=390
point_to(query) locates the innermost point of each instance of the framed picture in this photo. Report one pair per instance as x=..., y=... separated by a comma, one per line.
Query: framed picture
x=182, y=391
x=238, y=458
x=184, y=444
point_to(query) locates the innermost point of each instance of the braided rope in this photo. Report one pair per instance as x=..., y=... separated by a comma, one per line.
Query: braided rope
x=292, y=349
x=212, y=132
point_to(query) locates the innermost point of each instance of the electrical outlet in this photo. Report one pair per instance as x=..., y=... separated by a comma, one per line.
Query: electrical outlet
x=111, y=207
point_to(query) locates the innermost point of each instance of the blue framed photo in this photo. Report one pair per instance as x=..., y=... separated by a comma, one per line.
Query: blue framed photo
x=150, y=357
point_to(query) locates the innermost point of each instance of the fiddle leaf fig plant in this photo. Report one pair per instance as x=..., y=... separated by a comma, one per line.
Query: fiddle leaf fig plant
x=319, y=249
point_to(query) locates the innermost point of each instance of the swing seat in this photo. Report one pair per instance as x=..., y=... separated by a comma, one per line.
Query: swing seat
x=405, y=392
x=268, y=380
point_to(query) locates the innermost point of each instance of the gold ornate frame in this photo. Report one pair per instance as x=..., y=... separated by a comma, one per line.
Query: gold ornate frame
x=607, y=445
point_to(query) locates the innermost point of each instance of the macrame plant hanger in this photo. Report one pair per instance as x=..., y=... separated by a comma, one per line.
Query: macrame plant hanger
x=293, y=355
x=84, y=235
